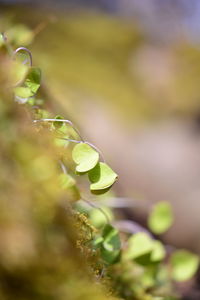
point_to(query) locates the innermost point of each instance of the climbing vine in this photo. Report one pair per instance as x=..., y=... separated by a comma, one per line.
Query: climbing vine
x=138, y=264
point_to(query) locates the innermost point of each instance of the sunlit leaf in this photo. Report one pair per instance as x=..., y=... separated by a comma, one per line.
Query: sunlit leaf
x=110, y=257
x=98, y=218
x=161, y=217
x=85, y=157
x=184, y=265
x=33, y=80
x=158, y=251
x=97, y=242
x=31, y=85
x=139, y=244
x=101, y=177
x=148, y=278
x=22, y=92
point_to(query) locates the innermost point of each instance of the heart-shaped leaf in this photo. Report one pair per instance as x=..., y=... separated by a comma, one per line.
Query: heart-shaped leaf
x=111, y=238
x=139, y=244
x=101, y=177
x=111, y=245
x=23, y=92
x=33, y=79
x=85, y=157
x=184, y=265
x=30, y=87
x=161, y=217
x=158, y=252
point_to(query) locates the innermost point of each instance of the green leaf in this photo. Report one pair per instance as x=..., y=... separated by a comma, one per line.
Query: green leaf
x=98, y=219
x=161, y=218
x=184, y=265
x=101, y=177
x=97, y=242
x=58, y=124
x=158, y=253
x=111, y=238
x=110, y=257
x=138, y=245
x=33, y=80
x=148, y=277
x=31, y=85
x=85, y=157
x=22, y=92
x=111, y=245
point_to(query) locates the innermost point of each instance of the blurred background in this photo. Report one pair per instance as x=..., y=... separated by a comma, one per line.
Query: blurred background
x=128, y=73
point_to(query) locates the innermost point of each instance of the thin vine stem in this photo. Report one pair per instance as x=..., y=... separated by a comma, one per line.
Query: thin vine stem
x=92, y=204
x=27, y=51
x=64, y=121
x=85, y=142
x=63, y=167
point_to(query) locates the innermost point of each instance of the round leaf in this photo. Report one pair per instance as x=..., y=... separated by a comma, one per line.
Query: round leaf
x=33, y=80
x=184, y=265
x=139, y=244
x=23, y=92
x=111, y=245
x=111, y=238
x=101, y=177
x=158, y=252
x=161, y=218
x=98, y=219
x=58, y=124
x=85, y=157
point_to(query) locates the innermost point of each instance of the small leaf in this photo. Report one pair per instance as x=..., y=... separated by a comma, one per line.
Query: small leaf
x=158, y=252
x=110, y=257
x=138, y=245
x=111, y=238
x=33, y=79
x=58, y=124
x=101, y=177
x=85, y=157
x=22, y=92
x=97, y=242
x=184, y=265
x=161, y=218
x=111, y=245
x=98, y=219
x=31, y=85
x=148, y=278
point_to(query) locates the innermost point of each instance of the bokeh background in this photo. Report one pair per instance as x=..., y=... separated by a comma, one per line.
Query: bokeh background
x=128, y=73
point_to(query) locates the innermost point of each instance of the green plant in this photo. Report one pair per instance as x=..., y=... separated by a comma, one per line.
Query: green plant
x=137, y=264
